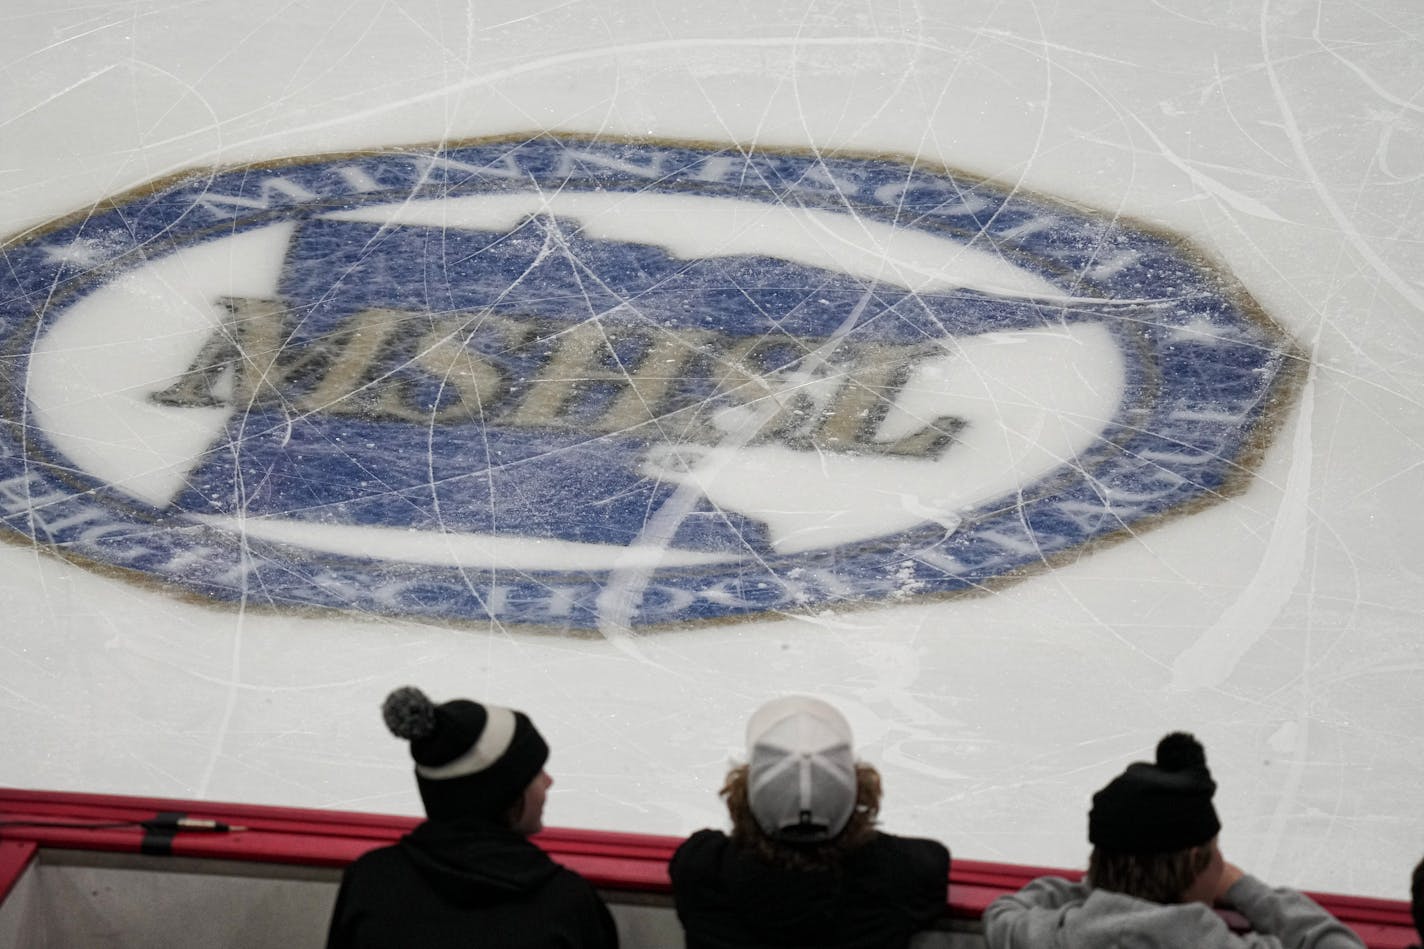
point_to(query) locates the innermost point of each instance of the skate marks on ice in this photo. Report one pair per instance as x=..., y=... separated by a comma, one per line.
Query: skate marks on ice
x=602, y=385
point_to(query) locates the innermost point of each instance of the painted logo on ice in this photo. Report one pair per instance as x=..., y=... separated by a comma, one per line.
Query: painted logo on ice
x=585, y=384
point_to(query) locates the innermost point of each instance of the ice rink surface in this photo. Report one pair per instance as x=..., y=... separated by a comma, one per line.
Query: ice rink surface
x=1284, y=625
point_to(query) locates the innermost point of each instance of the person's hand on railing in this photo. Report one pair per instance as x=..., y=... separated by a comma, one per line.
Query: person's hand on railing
x=1230, y=873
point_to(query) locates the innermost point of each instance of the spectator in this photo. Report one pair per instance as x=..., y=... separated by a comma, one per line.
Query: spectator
x=1416, y=900
x=804, y=864
x=468, y=876
x=1154, y=872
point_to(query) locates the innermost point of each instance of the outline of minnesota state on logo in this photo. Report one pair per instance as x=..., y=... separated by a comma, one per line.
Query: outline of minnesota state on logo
x=585, y=384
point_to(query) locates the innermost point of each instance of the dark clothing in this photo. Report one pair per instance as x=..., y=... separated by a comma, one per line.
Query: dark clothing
x=881, y=895
x=469, y=884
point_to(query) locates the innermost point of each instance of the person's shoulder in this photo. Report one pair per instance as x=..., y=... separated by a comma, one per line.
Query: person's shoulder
x=1188, y=924
x=569, y=881
x=703, y=842
x=918, y=851
x=910, y=862
x=572, y=905
x=376, y=867
x=701, y=852
x=379, y=856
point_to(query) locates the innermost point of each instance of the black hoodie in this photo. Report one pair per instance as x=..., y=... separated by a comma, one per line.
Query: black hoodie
x=469, y=884
x=880, y=896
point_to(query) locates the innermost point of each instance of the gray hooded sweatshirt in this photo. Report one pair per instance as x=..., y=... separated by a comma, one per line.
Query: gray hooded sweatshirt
x=1051, y=913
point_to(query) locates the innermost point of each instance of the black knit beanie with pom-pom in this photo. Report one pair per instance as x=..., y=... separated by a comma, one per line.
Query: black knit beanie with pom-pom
x=471, y=760
x=1157, y=808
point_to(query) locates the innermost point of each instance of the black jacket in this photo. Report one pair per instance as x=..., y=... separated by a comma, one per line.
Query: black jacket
x=882, y=894
x=470, y=884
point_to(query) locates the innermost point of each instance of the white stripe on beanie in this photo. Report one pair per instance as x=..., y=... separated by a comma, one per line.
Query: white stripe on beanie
x=493, y=742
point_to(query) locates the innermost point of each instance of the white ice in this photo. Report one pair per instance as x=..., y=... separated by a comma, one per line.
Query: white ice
x=1285, y=626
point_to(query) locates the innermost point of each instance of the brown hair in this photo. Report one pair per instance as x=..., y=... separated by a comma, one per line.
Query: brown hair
x=858, y=831
x=1159, y=877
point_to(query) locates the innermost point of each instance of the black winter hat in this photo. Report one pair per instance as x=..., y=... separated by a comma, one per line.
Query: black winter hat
x=471, y=760
x=1157, y=808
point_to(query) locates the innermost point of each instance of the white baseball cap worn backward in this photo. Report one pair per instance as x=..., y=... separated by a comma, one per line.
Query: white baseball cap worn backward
x=801, y=769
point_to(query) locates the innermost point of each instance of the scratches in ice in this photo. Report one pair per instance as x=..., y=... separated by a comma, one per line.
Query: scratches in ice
x=1212, y=186
x=1347, y=228
x=1209, y=661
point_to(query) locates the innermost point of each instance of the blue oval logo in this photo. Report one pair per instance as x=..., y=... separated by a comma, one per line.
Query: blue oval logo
x=599, y=385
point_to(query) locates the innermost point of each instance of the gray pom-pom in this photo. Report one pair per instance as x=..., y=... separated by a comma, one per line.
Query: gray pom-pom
x=1180, y=751
x=409, y=713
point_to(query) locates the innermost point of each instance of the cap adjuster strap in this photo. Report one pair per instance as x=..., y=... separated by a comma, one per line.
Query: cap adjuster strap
x=804, y=787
